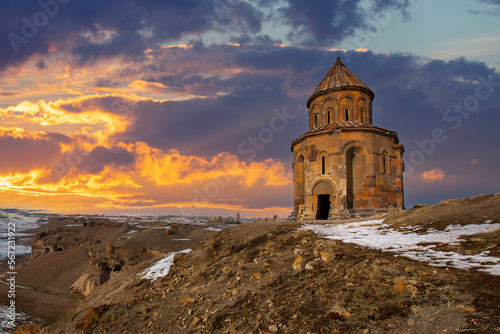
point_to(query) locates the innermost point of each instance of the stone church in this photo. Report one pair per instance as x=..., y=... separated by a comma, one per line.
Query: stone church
x=345, y=166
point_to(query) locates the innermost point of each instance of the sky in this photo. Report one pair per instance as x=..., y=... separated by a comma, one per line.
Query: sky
x=189, y=107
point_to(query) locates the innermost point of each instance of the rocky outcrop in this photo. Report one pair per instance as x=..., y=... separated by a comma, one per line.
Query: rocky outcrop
x=96, y=275
x=65, y=233
x=54, y=240
x=104, y=264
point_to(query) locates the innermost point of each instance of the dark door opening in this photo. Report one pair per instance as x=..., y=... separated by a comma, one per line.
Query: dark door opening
x=350, y=201
x=323, y=207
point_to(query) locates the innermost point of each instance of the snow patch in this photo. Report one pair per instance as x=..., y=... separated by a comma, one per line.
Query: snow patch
x=6, y=315
x=216, y=229
x=375, y=234
x=161, y=268
x=130, y=234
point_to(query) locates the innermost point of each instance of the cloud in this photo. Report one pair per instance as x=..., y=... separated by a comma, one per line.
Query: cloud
x=100, y=157
x=9, y=93
x=494, y=12
x=155, y=87
x=22, y=151
x=94, y=118
x=134, y=176
x=94, y=31
x=174, y=168
x=326, y=23
x=433, y=175
x=86, y=33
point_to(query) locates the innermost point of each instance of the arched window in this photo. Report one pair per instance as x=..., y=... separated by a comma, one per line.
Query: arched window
x=384, y=163
x=361, y=116
x=329, y=116
x=314, y=117
x=347, y=109
x=323, y=165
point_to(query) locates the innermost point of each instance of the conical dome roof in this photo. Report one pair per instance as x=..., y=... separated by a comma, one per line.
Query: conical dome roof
x=339, y=78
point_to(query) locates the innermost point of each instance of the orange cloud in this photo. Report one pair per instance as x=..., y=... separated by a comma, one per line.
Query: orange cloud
x=56, y=165
x=94, y=185
x=156, y=180
x=172, y=168
x=178, y=46
x=91, y=120
x=146, y=86
x=20, y=133
x=432, y=175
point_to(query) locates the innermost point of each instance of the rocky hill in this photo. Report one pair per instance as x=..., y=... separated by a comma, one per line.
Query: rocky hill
x=266, y=277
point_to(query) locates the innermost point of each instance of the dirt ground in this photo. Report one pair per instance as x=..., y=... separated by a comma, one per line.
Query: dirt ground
x=271, y=277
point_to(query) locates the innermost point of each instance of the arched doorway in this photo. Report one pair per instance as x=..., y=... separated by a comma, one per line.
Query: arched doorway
x=322, y=193
x=355, y=172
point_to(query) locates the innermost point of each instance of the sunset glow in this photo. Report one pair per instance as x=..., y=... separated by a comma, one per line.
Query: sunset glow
x=190, y=109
